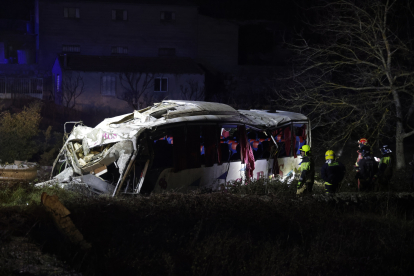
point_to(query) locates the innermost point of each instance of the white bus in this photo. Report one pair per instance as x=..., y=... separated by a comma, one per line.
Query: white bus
x=182, y=146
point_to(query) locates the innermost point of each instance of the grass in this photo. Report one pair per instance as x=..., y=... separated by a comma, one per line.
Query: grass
x=247, y=230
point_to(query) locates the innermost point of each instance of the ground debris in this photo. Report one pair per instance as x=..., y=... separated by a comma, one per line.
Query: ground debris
x=20, y=256
x=61, y=217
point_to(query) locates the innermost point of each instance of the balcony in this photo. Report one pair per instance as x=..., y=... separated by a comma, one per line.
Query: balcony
x=17, y=87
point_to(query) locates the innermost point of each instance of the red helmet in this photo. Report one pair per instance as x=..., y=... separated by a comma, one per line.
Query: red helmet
x=363, y=141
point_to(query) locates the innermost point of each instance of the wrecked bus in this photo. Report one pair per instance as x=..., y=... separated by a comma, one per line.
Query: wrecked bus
x=181, y=146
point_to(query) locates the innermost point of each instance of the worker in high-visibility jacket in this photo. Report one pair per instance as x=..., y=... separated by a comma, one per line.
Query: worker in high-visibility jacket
x=307, y=171
x=332, y=172
x=385, y=169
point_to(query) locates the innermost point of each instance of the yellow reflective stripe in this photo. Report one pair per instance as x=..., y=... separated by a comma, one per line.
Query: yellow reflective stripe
x=386, y=160
x=305, y=166
x=326, y=183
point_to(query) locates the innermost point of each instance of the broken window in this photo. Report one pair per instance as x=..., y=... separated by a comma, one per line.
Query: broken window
x=300, y=137
x=260, y=143
x=160, y=84
x=186, y=148
x=230, y=139
x=71, y=12
x=290, y=139
x=163, y=150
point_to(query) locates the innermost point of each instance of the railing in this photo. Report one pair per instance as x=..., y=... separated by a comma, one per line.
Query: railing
x=21, y=86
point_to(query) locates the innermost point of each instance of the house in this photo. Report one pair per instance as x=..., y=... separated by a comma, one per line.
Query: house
x=169, y=37
x=158, y=29
x=112, y=85
x=18, y=70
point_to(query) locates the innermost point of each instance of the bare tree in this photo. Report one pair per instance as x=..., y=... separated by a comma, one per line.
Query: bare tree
x=357, y=77
x=192, y=91
x=136, y=86
x=72, y=87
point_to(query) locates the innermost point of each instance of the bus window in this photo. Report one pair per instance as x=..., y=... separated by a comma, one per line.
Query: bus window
x=209, y=139
x=300, y=136
x=186, y=148
x=283, y=139
x=232, y=153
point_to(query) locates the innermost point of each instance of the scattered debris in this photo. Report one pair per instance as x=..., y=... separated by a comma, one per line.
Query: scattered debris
x=61, y=217
x=19, y=170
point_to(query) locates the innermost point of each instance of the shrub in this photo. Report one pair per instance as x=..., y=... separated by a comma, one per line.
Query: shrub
x=17, y=133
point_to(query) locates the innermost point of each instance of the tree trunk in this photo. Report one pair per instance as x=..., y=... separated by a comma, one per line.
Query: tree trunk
x=399, y=141
x=399, y=137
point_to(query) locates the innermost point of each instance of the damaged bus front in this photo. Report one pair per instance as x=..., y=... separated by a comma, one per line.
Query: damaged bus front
x=181, y=146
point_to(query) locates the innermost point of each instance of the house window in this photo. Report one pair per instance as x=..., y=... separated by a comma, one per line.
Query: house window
x=119, y=50
x=119, y=15
x=167, y=16
x=160, y=84
x=71, y=48
x=166, y=52
x=108, y=86
x=71, y=12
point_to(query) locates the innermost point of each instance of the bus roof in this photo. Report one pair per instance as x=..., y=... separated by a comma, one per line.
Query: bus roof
x=177, y=111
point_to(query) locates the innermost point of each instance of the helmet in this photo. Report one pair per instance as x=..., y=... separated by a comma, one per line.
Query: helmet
x=306, y=149
x=330, y=154
x=385, y=149
x=363, y=141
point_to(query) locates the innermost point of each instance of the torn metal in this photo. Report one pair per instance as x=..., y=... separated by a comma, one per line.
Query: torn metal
x=180, y=145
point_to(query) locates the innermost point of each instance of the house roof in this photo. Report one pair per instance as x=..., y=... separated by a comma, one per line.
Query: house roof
x=174, y=65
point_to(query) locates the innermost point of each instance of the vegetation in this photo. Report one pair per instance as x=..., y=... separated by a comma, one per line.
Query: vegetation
x=22, y=139
x=352, y=74
x=225, y=233
x=17, y=133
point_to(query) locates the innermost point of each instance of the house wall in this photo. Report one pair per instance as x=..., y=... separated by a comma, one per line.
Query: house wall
x=218, y=43
x=93, y=101
x=95, y=31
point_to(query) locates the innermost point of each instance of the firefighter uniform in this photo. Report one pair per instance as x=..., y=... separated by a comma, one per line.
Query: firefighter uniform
x=307, y=171
x=363, y=142
x=332, y=172
x=368, y=169
x=385, y=169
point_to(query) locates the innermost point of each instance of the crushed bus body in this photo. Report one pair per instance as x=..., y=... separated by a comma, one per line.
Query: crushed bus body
x=181, y=146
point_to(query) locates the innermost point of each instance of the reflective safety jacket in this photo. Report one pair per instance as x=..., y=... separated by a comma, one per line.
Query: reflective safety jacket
x=307, y=170
x=385, y=165
x=333, y=172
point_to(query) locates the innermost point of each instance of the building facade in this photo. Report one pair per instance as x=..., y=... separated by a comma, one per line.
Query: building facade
x=156, y=29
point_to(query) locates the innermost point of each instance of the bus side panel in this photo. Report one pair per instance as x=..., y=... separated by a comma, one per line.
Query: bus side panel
x=287, y=165
x=204, y=177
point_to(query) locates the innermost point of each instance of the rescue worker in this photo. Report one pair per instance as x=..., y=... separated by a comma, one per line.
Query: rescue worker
x=363, y=142
x=332, y=172
x=368, y=169
x=385, y=169
x=307, y=171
